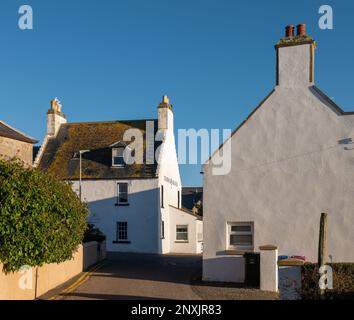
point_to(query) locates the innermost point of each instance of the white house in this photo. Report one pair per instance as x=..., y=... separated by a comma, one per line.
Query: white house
x=292, y=159
x=136, y=205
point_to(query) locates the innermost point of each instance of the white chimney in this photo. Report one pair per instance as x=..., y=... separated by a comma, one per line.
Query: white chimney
x=165, y=115
x=295, y=58
x=55, y=118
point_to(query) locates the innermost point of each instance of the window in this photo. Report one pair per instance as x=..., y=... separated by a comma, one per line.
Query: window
x=162, y=197
x=162, y=229
x=178, y=200
x=122, y=189
x=122, y=231
x=240, y=235
x=181, y=233
x=118, y=157
x=199, y=232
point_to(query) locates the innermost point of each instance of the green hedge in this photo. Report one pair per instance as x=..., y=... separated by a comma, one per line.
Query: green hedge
x=41, y=219
x=343, y=281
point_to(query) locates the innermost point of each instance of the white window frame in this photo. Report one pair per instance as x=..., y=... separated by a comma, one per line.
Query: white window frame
x=116, y=149
x=118, y=193
x=230, y=232
x=182, y=226
x=126, y=231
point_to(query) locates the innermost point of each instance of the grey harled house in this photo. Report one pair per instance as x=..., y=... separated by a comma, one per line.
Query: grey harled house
x=292, y=159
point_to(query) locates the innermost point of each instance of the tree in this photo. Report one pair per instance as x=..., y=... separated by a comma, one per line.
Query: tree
x=41, y=218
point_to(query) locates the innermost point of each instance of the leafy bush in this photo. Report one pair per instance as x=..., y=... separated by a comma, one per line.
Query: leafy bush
x=343, y=281
x=94, y=234
x=41, y=219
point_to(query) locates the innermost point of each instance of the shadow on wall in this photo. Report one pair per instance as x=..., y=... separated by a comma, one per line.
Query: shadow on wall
x=140, y=212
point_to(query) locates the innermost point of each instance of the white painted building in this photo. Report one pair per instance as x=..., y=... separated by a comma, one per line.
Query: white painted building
x=136, y=205
x=292, y=159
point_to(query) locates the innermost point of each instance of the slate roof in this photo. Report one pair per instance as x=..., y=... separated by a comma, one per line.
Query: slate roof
x=59, y=154
x=12, y=133
x=191, y=196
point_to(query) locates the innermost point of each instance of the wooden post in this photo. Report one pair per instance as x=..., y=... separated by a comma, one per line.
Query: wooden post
x=322, y=245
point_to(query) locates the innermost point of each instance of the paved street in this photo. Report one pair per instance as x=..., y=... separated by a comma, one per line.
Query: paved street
x=141, y=277
x=131, y=276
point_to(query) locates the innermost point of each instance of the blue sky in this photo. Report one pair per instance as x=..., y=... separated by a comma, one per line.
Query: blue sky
x=114, y=59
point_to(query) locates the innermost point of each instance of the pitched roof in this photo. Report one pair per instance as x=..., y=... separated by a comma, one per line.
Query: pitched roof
x=8, y=132
x=314, y=89
x=99, y=138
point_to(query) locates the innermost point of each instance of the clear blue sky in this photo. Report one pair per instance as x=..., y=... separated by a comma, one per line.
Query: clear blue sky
x=114, y=59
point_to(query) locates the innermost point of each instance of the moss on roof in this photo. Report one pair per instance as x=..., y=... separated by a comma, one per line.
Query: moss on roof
x=294, y=41
x=58, y=157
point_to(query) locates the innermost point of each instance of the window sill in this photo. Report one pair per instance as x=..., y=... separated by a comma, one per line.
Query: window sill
x=121, y=242
x=181, y=241
x=122, y=204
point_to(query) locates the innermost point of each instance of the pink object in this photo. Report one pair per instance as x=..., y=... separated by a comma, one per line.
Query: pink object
x=299, y=258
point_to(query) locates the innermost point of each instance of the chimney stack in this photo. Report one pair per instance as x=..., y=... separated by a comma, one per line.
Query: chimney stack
x=301, y=30
x=295, y=58
x=289, y=31
x=55, y=118
x=165, y=115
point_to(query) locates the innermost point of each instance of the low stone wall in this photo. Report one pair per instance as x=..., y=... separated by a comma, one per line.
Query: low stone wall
x=22, y=285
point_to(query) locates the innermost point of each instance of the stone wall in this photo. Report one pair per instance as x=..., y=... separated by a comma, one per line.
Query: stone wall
x=32, y=283
x=10, y=148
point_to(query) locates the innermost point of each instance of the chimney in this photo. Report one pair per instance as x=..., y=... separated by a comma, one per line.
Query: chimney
x=301, y=30
x=295, y=58
x=165, y=114
x=289, y=31
x=55, y=118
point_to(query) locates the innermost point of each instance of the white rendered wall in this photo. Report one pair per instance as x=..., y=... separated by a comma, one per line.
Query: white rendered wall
x=287, y=168
x=295, y=65
x=169, y=178
x=179, y=217
x=141, y=214
x=54, y=121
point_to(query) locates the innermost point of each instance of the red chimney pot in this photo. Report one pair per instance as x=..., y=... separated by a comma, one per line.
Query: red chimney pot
x=289, y=31
x=301, y=29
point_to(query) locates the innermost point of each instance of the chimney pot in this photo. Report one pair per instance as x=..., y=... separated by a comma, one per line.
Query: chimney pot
x=289, y=31
x=301, y=29
x=165, y=99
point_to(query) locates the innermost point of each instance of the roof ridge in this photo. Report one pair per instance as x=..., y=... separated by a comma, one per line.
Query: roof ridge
x=18, y=131
x=108, y=121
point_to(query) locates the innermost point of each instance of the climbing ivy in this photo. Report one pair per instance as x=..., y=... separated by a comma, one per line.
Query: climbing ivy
x=41, y=219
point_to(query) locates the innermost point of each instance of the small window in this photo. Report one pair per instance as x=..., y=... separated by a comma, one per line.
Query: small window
x=181, y=233
x=122, y=193
x=118, y=157
x=122, y=231
x=162, y=196
x=178, y=199
x=199, y=232
x=162, y=229
x=240, y=235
